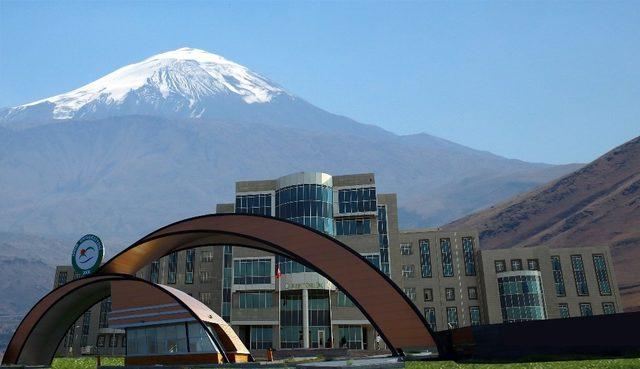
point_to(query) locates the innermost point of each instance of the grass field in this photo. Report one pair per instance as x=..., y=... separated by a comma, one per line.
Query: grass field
x=573, y=364
x=90, y=363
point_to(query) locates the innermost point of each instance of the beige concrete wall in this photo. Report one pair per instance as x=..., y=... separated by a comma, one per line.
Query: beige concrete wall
x=543, y=254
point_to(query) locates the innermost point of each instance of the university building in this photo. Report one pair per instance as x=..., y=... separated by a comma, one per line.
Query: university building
x=443, y=272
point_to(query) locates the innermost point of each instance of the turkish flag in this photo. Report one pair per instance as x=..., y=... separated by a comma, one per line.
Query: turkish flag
x=278, y=273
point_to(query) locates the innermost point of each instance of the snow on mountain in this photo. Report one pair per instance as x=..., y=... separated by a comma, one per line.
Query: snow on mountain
x=183, y=80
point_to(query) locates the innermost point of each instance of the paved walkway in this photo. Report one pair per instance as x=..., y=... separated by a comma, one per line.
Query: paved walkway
x=365, y=363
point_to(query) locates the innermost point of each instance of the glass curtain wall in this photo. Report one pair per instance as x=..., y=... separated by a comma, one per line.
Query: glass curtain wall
x=521, y=298
x=291, y=319
x=319, y=316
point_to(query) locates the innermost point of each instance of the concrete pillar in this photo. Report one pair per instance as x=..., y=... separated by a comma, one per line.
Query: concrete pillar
x=305, y=318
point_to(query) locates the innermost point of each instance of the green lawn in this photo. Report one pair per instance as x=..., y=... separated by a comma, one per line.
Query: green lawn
x=573, y=364
x=84, y=362
x=90, y=363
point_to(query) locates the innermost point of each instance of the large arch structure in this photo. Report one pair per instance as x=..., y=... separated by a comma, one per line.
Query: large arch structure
x=400, y=324
x=39, y=334
x=395, y=317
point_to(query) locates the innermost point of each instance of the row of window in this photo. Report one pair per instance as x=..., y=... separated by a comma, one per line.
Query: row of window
x=586, y=310
x=452, y=317
x=357, y=200
x=252, y=271
x=255, y=300
x=168, y=339
x=449, y=293
x=254, y=204
x=102, y=340
x=516, y=265
x=446, y=256
x=346, y=227
x=579, y=275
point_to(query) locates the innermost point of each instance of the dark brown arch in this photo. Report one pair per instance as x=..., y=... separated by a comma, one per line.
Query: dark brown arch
x=394, y=316
x=43, y=328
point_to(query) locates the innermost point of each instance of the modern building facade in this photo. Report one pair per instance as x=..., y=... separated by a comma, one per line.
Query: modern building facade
x=443, y=272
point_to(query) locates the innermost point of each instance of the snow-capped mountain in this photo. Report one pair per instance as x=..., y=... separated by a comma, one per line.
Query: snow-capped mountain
x=184, y=84
x=181, y=83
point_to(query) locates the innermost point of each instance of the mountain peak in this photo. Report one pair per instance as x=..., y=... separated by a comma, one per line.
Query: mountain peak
x=189, y=53
x=184, y=83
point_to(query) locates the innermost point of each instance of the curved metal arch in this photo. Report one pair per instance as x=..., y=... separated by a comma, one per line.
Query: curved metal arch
x=41, y=331
x=395, y=317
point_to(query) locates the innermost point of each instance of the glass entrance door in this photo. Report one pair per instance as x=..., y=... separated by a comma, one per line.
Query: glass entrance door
x=321, y=341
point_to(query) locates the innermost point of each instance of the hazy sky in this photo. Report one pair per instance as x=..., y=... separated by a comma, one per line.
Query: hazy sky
x=553, y=82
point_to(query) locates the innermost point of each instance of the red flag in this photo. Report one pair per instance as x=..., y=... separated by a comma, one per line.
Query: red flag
x=278, y=273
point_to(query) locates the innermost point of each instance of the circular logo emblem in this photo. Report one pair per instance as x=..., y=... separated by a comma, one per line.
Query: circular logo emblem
x=87, y=255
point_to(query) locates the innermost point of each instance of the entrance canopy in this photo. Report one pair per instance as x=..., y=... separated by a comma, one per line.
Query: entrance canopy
x=394, y=316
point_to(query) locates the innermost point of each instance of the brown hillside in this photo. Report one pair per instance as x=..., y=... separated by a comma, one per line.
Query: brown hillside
x=596, y=205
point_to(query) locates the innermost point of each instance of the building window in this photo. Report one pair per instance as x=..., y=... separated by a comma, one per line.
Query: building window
x=206, y=256
x=357, y=200
x=254, y=204
x=255, y=300
x=154, y=271
x=405, y=249
x=188, y=267
x=533, y=264
x=521, y=298
x=450, y=294
x=252, y=271
x=585, y=309
x=113, y=340
x=227, y=270
x=347, y=227
x=473, y=293
x=602, y=275
x=447, y=257
x=452, y=317
x=579, y=275
x=501, y=266
x=608, y=308
x=425, y=258
x=205, y=298
x=516, y=264
x=261, y=337
x=62, y=278
x=307, y=204
x=430, y=316
x=469, y=261
x=100, y=340
x=350, y=336
x=123, y=341
x=373, y=259
x=558, y=279
x=105, y=308
x=564, y=310
x=205, y=276
x=86, y=324
x=407, y=271
x=172, y=268
x=428, y=294
x=383, y=239
x=411, y=293
x=474, y=315
x=343, y=300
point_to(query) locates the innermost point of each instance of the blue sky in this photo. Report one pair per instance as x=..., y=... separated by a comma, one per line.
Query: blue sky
x=545, y=81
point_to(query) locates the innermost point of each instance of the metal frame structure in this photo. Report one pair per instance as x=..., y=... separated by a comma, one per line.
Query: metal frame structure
x=397, y=320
